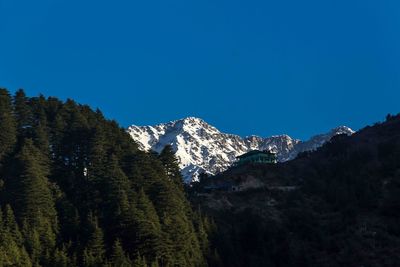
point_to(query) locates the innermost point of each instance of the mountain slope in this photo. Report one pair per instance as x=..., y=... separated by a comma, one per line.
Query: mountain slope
x=337, y=206
x=201, y=147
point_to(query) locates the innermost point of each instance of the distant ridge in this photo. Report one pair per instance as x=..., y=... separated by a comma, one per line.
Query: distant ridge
x=200, y=147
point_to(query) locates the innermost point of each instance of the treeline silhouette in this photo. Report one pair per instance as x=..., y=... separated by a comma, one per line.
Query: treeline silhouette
x=76, y=191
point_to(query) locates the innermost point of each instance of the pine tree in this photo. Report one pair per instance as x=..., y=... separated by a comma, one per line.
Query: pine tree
x=23, y=112
x=33, y=198
x=116, y=206
x=34, y=202
x=201, y=227
x=8, y=131
x=32, y=244
x=12, y=253
x=118, y=257
x=97, y=154
x=117, y=186
x=175, y=212
x=148, y=228
x=94, y=252
x=11, y=226
x=180, y=243
x=41, y=138
x=171, y=165
x=60, y=258
x=139, y=261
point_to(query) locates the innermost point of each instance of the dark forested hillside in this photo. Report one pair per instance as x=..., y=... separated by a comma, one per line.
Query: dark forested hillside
x=76, y=191
x=337, y=206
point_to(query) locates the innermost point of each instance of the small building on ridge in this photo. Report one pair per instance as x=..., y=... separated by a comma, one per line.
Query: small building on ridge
x=257, y=156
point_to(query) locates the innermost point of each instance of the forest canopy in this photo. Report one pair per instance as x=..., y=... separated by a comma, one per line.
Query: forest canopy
x=76, y=191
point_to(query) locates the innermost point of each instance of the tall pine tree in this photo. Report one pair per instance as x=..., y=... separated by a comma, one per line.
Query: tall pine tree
x=119, y=257
x=94, y=252
x=148, y=228
x=23, y=112
x=8, y=130
x=171, y=165
x=34, y=202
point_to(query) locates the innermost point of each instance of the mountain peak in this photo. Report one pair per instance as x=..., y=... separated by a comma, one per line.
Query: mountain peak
x=193, y=120
x=200, y=147
x=343, y=130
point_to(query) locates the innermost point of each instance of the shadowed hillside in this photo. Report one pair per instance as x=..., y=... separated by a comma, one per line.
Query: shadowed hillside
x=337, y=206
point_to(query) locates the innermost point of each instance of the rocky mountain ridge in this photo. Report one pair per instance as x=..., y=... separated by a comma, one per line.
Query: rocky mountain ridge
x=200, y=147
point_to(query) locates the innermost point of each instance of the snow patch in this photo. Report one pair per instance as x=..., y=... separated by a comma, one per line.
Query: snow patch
x=202, y=148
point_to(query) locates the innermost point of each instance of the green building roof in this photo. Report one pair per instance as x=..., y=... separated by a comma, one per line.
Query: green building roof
x=257, y=156
x=256, y=152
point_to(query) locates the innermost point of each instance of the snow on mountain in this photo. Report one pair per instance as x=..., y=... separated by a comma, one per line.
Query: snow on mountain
x=201, y=147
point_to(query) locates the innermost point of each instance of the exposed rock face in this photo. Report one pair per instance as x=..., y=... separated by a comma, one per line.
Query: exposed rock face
x=201, y=147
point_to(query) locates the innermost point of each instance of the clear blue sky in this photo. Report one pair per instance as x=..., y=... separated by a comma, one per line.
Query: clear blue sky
x=247, y=67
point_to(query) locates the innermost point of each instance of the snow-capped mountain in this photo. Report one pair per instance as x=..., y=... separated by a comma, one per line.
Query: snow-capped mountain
x=201, y=147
